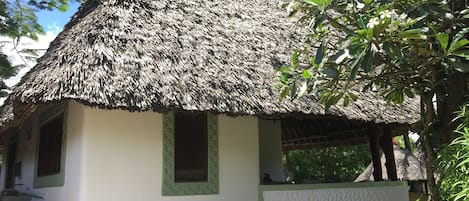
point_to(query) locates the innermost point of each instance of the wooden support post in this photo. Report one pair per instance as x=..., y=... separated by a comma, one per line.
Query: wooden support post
x=407, y=142
x=388, y=149
x=373, y=134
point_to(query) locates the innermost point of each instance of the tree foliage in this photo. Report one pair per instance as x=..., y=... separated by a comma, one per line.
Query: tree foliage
x=390, y=47
x=332, y=164
x=453, y=162
x=398, y=49
x=17, y=20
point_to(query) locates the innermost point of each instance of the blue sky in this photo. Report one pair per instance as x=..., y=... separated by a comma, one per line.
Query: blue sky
x=54, y=21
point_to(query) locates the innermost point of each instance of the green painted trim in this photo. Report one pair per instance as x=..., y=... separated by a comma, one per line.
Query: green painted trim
x=171, y=188
x=57, y=179
x=296, y=187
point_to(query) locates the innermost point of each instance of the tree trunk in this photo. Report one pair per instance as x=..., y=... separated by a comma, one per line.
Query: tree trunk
x=450, y=97
x=428, y=117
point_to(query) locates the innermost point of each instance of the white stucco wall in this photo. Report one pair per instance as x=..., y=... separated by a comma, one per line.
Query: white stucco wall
x=122, y=158
x=117, y=155
x=270, y=149
x=26, y=153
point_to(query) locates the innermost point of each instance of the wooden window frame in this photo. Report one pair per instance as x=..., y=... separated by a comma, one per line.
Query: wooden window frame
x=172, y=188
x=54, y=180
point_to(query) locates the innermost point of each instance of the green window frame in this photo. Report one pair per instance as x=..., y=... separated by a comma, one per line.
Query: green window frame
x=54, y=180
x=172, y=188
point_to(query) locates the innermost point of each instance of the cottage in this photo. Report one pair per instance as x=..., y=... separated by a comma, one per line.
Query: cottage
x=174, y=100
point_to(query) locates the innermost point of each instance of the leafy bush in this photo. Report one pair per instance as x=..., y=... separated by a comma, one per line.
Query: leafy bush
x=332, y=164
x=453, y=162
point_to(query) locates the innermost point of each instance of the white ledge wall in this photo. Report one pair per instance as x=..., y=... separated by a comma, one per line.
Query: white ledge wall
x=122, y=158
x=382, y=191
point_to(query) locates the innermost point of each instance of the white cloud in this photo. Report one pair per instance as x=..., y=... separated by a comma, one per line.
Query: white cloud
x=24, y=59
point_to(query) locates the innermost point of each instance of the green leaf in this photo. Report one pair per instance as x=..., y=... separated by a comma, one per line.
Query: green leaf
x=293, y=90
x=284, y=69
x=285, y=92
x=63, y=8
x=460, y=35
x=318, y=20
x=353, y=73
x=392, y=50
x=367, y=2
x=414, y=21
x=313, y=2
x=412, y=31
x=462, y=53
x=354, y=66
x=285, y=77
x=443, y=38
x=295, y=59
x=361, y=23
x=353, y=96
x=413, y=34
x=459, y=66
x=307, y=74
x=331, y=72
x=367, y=62
x=51, y=4
x=335, y=99
x=321, y=3
x=6, y=69
x=396, y=96
x=31, y=52
x=320, y=54
x=464, y=12
x=456, y=45
x=337, y=55
x=346, y=101
x=33, y=36
x=409, y=93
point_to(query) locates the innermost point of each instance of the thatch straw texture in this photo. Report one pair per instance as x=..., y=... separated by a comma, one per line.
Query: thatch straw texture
x=193, y=55
x=408, y=166
x=6, y=113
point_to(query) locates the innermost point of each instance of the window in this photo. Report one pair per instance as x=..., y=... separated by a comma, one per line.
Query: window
x=190, y=148
x=50, y=152
x=50, y=146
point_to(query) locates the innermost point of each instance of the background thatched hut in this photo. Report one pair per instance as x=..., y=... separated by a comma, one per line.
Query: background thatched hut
x=409, y=167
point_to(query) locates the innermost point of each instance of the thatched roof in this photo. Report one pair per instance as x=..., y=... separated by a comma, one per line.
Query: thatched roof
x=193, y=55
x=408, y=166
